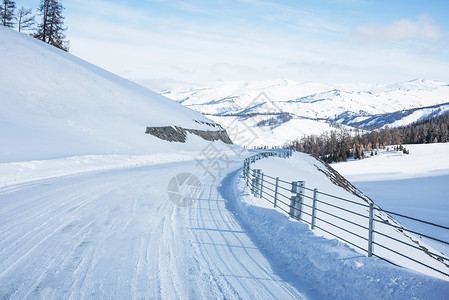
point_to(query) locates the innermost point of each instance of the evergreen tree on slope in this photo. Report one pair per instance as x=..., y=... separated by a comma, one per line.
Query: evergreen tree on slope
x=51, y=29
x=7, y=16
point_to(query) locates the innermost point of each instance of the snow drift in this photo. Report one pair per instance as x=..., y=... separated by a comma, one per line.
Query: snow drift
x=54, y=104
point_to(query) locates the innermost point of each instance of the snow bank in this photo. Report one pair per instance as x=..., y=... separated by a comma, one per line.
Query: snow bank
x=24, y=171
x=339, y=271
x=423, y=161
x=352, y=222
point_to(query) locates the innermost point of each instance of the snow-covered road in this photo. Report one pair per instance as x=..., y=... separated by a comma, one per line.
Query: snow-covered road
x=116, y=234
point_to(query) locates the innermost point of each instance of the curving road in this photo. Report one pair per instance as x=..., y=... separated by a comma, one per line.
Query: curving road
x=116, y=234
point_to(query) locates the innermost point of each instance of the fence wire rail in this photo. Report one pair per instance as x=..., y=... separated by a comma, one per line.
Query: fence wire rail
x=353, y=218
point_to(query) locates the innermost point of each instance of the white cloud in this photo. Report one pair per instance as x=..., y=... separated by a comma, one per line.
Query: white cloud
x=295, y=44
x=423, y=28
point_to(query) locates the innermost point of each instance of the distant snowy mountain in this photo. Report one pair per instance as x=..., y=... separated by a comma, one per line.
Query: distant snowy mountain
x=56, y=105
x=285, y=110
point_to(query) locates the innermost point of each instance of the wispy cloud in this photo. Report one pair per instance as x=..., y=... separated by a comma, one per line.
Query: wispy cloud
x=296, y=17
x=423, y=28
x=202, y=40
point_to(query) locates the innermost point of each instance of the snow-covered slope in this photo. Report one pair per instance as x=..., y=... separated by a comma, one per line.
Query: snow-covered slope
x=324, y=105
x=54, y=104
x=413, y=184
x=342, y=212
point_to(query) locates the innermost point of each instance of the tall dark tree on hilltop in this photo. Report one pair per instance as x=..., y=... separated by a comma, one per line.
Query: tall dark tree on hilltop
x=7, y=16
x=51, y=29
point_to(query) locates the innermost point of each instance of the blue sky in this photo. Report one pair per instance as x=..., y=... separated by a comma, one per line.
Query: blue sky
x=305, y=40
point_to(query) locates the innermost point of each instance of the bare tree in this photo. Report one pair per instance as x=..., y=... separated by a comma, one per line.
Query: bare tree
x=25, y=19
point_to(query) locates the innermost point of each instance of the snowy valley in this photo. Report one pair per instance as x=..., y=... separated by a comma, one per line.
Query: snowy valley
x=281, y=111
x=93, y=207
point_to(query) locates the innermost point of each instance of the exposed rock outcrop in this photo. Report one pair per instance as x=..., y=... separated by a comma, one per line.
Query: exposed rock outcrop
x=179, y=134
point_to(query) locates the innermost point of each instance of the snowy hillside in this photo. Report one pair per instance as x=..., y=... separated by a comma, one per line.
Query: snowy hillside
x=323, y=105
x=55, y=105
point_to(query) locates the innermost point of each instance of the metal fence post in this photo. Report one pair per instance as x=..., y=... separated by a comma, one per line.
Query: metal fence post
x=276, y=191
x=297, y=199
x=315, y=192
x=370, y=229
x=261, y=186
x=247, y=175
x=254, y=183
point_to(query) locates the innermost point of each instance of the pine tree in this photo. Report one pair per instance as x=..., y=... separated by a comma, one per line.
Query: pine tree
x=7, y=16
x=51, y=30
x=25, y=19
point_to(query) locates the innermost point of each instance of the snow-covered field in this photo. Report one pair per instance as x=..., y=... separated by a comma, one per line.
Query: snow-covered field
x=413, y=184
x=426, y=160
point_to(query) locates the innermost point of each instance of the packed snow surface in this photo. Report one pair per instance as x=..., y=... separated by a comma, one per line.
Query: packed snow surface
x=116, y=234
x=24, y=171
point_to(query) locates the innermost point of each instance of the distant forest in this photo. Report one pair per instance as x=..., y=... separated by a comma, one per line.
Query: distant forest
x=339, y=145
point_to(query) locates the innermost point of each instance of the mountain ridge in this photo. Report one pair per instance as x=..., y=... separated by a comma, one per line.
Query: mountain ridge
x=329, y=105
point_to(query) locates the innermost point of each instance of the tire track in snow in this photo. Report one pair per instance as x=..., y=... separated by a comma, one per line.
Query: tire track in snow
x=116, y=234
x=230, y=259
